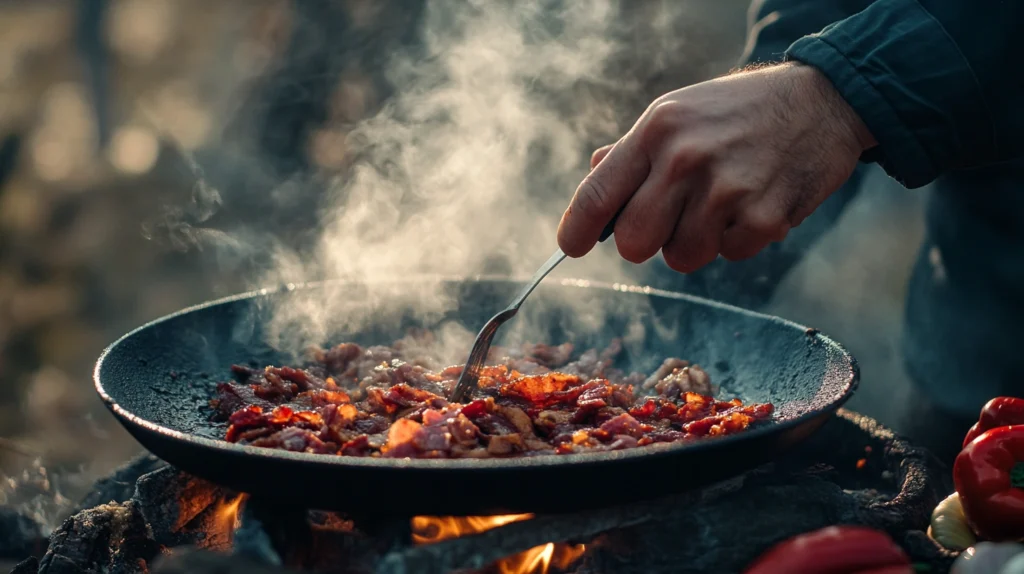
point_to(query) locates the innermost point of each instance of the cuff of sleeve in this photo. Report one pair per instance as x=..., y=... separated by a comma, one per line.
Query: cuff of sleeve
x=921, y=114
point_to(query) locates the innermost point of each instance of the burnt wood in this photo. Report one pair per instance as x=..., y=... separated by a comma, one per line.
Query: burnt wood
x=120, y=486
x=725, y=526
x=198, y=561
x=158, y=379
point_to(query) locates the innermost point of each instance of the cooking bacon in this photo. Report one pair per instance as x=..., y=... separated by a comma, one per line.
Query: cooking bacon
x=391, y=402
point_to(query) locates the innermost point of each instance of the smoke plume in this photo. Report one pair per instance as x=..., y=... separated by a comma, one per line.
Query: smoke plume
x=467, y=168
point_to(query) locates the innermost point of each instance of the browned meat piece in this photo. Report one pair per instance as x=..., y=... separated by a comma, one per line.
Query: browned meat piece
x=400, y=439
x=519, y=419
x=296, y=440
x=392, y=402
x=668, y=366
x=595, y=365
x=625, y=425
x=548, y=356
x=464, y=432
x=505, y=444
x=339, y=423
x=359, y=446
x=690, y=379
x=544, y=390
x=337, y=358
x=232, y=397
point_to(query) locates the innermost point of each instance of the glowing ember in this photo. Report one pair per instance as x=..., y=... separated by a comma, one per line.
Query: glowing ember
x=536, y=560
x=540, y=558
x=228, y=513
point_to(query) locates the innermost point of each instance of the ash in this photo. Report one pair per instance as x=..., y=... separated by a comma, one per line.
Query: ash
x=149, y=517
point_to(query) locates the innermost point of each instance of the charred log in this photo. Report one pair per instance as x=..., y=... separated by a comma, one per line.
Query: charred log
x=112, y=538
x=323, y=542
x=27, y=566
x=120, y=486
x=852, y=472
x=198, y=561
x=181, y=509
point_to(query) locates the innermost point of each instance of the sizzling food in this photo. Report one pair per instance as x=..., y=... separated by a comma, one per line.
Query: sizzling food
x=389, y=402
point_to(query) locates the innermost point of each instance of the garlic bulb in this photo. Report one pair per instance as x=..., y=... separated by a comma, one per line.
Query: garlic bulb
x=949, y=525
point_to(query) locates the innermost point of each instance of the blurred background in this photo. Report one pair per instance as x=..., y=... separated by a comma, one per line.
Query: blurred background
x=121, y=127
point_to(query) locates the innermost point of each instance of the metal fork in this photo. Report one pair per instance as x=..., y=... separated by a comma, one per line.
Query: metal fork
x=471, y=372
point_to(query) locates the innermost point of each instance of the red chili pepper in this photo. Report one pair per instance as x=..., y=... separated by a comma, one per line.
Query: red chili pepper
x=989, y=475
x=999, y=412
x=835, y=550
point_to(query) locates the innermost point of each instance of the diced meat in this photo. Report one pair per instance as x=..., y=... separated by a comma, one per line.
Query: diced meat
x=543, y=389
x=339, y=423
x=495, y=425
x=371, y=424
x=391, y=401
x=338, y=358
x=625, y=425
x=358, y=446
x=668, y=366
x=505, y=444
x=519, y=419
x=295, y=440
x=623, y=442
x=400, y=438
x=690, y=379
x=232, y=397
x=547, y=355
x=463, y=431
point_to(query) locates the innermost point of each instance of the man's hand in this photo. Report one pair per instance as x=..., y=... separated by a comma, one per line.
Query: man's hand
x=725, y=166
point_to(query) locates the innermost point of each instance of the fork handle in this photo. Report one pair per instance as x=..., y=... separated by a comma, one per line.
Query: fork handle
x=610, y=228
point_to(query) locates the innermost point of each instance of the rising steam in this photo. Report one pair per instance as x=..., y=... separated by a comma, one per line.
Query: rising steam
x=467, y=169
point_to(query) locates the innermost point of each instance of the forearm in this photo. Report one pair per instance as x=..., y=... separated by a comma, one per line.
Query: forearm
x=934, y=81
x=773, y=25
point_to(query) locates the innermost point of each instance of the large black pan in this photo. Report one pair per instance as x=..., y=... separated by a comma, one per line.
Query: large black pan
x=158, y=379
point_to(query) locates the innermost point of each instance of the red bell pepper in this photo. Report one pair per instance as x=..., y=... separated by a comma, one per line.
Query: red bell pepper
x=835, y=550
x=999, y=412
x=989, y=476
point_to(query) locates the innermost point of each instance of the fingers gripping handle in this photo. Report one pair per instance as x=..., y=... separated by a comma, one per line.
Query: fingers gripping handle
x=610, y=228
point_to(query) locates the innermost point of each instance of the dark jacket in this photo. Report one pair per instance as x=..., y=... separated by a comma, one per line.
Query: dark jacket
x=938, y=82
x=940, y=85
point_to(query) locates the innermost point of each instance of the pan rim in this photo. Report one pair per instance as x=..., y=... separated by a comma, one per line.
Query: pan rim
x=125, y=417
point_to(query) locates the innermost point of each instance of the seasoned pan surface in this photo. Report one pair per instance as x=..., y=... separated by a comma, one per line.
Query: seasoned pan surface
x=158, y=379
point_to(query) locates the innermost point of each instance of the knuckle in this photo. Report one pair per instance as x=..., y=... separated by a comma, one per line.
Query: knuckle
x=592, y=199
x=663, y=109
x=684, y=158
x=767, y=227
x=599, y=154
x=723, y=196
x=661, y=118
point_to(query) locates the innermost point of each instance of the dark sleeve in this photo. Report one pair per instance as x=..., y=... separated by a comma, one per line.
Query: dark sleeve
x=773, y=25
x=938, y=82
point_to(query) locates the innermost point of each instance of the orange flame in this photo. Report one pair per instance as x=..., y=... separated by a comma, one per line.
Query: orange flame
x=537, y=560
x=228, y=513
